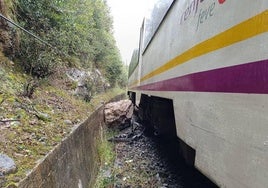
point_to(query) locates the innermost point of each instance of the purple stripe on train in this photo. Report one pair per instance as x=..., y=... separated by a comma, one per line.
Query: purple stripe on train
x=245, y=78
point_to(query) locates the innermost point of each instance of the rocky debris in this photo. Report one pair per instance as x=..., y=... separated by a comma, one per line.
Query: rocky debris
x=87, y=83
x=138, y=163
x=130, y=136
x=7, y=165
x=149, y=162
x=118, y=113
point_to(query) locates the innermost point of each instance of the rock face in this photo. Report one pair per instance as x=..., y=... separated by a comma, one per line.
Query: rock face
x=7, y=165
x=118, y=113
x=88, y=83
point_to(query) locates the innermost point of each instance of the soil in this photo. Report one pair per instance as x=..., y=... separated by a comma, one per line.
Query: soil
x=144, y=160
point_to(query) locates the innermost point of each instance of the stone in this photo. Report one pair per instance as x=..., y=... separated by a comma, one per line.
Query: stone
x=43, y=116
x=68, y=122
x=7, y=165
x=89, y=83
x=118, y=113
x=107, y=173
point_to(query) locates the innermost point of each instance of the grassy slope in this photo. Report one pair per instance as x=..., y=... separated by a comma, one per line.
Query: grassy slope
x=41, y=122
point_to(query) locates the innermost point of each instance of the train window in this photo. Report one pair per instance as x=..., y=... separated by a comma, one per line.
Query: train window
x=154, y=19
x=134, y=62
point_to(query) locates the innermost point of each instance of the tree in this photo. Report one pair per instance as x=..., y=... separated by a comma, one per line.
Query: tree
x=79, y=30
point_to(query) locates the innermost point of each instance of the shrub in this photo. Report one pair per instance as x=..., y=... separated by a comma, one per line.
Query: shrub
x=36, y=58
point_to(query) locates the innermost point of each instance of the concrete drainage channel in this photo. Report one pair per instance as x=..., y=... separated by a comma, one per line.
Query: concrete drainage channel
x=73, y=163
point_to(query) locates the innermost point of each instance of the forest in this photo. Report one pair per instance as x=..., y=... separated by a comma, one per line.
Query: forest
x=79, y=33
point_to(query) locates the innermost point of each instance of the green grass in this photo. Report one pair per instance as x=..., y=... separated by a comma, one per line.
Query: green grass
x=107, y=156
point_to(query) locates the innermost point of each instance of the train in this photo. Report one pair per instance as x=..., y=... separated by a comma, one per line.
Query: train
x=200, y=73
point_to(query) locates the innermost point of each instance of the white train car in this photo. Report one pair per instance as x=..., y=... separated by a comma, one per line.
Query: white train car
x=209, y=59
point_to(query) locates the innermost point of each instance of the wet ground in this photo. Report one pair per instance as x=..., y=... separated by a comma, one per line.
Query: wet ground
x=147, y=161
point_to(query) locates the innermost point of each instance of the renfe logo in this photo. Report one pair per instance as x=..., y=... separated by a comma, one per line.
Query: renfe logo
x=193, y=7
x=221, y=1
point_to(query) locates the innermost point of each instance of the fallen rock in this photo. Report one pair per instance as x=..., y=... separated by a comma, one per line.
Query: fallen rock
x=68, y=122
x=88, y=83
x=7, y=165
x=118, y=113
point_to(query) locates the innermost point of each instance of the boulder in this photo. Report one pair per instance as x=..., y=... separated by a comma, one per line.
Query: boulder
x=118, y=113
x=7, y=165
x=89, y=83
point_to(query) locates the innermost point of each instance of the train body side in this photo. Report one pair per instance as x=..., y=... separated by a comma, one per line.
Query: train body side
x=211, y=58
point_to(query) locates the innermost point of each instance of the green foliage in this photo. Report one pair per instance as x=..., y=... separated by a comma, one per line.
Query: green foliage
x=29, y=88
x=107, y=156
x=9, y=8
x=79, y=30
x=37, y=59
x=113, y=67
x=106, y=153
x=122, y=81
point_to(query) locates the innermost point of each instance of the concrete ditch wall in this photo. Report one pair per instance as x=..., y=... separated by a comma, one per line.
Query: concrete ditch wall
x=74, y=162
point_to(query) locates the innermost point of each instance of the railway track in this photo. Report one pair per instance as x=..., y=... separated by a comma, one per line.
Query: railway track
x=150, y=161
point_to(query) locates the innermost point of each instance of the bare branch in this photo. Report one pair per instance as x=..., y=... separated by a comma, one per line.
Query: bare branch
x=8, y=120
